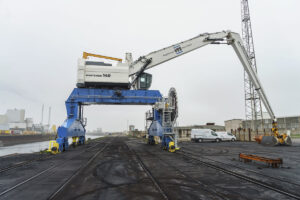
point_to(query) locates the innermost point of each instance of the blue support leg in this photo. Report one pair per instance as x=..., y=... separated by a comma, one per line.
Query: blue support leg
x=166, y=139
x=151, y=140
x=60, y=142
x=63, y=143
x=66, y=143
x=81, y=140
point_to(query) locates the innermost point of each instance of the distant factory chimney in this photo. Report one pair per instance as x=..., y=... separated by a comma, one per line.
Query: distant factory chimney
x=42, y=120
x=49, y=117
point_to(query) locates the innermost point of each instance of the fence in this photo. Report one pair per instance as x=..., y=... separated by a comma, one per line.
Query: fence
x=249, y=134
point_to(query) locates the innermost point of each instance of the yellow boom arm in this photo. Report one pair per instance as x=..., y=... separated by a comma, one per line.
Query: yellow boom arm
x=85, y=55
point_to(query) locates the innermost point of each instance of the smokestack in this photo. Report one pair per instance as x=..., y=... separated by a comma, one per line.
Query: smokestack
x=42, y=120
x=49, y=117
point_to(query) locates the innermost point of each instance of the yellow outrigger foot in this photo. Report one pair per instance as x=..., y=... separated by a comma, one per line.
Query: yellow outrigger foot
x=53, y=147
x=276, y=139
x=172, y=147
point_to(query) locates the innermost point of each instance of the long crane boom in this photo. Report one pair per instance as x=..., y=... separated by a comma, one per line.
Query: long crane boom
x=226, y=37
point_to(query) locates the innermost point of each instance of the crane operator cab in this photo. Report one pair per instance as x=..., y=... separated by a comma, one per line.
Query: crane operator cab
x=102, y=75
x=144, y=81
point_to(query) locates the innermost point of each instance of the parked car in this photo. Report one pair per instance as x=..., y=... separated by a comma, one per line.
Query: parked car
x=201, y=135
x=225, y=136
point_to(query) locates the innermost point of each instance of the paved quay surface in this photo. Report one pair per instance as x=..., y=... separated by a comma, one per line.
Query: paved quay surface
x=9, y=140
x=127, y=168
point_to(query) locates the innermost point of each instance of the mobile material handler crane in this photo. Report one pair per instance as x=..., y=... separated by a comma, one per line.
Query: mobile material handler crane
x=94, y=79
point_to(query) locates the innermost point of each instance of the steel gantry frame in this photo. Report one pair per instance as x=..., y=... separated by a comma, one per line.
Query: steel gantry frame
x=253, y=107
x=74, y=125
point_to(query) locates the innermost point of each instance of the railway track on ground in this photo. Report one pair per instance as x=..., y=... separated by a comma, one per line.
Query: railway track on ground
x=240, y=176
x=4, y=169
x=68, y=181
x=149, y=174
x=204, y=187
x=24, y=163
x=31, y=178
x=248, y=170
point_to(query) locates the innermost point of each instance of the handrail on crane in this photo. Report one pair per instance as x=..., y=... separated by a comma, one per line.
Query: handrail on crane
x=85, y=55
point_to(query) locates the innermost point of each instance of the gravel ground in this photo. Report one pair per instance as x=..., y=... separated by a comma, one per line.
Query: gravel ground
x=127, y=168
x=10, y=140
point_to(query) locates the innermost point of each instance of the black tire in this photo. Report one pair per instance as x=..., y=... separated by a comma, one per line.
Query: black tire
x=200, y=140
x=54, y=149
x=232, y=140
x=218, y=140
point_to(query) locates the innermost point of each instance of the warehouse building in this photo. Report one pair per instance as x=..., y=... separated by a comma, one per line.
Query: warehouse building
x=285, y=124
x=14, y=121
x=233, y=124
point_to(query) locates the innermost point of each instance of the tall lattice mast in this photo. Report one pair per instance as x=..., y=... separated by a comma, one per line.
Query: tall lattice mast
x=252, y=101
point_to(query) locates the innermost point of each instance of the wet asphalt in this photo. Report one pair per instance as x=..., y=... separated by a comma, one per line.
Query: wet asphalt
x=128, y=168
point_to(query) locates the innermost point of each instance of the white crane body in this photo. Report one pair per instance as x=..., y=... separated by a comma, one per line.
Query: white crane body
x=99, y=74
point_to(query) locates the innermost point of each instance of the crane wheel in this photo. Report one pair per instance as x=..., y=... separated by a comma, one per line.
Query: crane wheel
x=53, y=147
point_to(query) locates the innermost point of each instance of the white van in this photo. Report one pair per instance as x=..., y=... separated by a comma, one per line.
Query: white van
x=200, y=135
x=226, y=136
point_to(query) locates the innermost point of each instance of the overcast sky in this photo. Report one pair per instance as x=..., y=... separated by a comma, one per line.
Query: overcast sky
x=40, y=42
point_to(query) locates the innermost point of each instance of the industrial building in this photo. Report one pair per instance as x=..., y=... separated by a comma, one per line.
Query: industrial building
x=233, y=124
x=14, y=121
x=290, y=124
